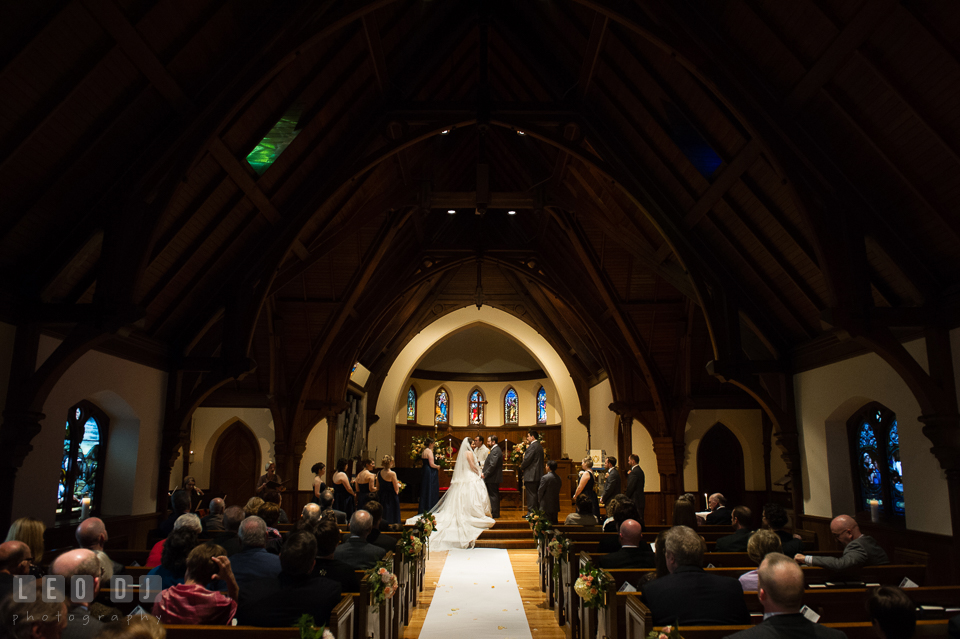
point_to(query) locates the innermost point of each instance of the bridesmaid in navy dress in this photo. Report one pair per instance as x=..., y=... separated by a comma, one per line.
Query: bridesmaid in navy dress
x=343, y=495
x=366, y=483
x=586, y=486
x=430, y=484
x=389, y=491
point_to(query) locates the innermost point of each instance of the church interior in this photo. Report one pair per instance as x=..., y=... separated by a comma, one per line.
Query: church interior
x=721, y=236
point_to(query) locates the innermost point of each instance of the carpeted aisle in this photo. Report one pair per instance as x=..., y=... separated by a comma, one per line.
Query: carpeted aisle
x=476, y=597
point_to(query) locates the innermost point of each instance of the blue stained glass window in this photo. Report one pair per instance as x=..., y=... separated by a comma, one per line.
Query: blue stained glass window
x=476, y=408
x=896, y=470
x=411, y=405
x=81, y=461
x=875, y=441
x=870, y=477
x=442, y=404
x=511, y=407
x=542, y=406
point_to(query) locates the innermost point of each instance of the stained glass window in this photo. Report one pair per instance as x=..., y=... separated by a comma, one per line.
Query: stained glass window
x=511, y=407
x=276, y=141
x=542, y=406
x=411, y=405
x=81, y=465
x=875, y=442
x=442, y=404
x=476, y=408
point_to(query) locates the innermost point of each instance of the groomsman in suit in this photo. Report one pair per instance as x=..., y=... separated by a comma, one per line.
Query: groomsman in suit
x=612, y=486
x=532, y=469
x=635, y=482
x=549, y=492
x=493, y=475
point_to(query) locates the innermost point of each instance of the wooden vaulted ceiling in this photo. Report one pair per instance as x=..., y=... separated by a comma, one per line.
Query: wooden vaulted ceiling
x=663, y=158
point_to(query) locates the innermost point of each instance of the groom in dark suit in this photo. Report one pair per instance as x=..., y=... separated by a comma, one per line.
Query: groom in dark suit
x=532, y=469
x=493, y=474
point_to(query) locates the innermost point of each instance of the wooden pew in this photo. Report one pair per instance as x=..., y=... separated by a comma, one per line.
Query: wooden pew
x=849, y=605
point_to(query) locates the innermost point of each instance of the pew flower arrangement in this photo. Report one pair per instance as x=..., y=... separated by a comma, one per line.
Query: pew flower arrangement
x=591, y=586
x=382, y=582
x=558, y=548
x=306, y=625
x=409, y=545
x=540, y=524
x=667, y=632
x=516, y=455
x=426, y=525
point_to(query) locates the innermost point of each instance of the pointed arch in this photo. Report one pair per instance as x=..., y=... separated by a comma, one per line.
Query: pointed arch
x=441, y=404
x=511, y=407
x=81, y=467
x=875, y=460
x=235, y=465
x=412, y=404
x=720, y=464
x=477, y=407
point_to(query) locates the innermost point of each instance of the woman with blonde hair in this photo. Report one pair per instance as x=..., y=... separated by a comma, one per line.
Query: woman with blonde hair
x=30, y=531
x=587, y=487
x=388, y=492
x=252, y=507
x=761, y=544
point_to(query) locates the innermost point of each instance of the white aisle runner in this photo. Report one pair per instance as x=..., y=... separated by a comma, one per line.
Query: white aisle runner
x=476, y=597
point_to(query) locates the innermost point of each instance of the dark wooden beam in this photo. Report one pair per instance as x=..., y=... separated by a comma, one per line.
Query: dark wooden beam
x=372, y=33
x=592, y=53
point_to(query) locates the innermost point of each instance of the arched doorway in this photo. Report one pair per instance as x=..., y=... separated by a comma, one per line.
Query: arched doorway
x=720, y=464
x=236, y=464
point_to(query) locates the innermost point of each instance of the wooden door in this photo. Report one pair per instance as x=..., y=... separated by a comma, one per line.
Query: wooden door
x=236, y=465
x=720, y=464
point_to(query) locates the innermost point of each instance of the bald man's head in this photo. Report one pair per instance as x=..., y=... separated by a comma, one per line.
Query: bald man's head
x=15, y=558
x=311, y=514
x=78, y=562
x=631, y=532
x=216, y=506
x=92, y=533
x=780, y=581
x=845, y=529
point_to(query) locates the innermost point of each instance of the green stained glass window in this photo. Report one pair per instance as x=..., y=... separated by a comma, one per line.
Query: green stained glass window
x=276, y=141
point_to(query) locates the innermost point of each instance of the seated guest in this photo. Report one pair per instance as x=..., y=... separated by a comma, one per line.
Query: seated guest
x=92, y=535
x=277, y=602
x=584, y=515
x=386, y=542
x=30, y=531
x=309, y=517
x=180, y=500
x=214, y=521
x=253, y=562
x=633, y=552
x=775, y=518
x=661, y=562
x=719, y=515
x=356, y=551
x=780, y=591
x=270, y=514
x=35, y=619
x=228, y=539
x=743, y=525
x=859, y=550
x=685, y=513
x=191, y=602
x=252, y=506
x=893, y=614
x=689, y=596
x=191, y=521
x=15, y=559
x=609, y=524
x=136, y=627
x=276, y=497
x=328, y=538
x=82, y=562
x=548, y=494
x=761, y=544
x=623, y=509
x=173, y=562
x=326, y=505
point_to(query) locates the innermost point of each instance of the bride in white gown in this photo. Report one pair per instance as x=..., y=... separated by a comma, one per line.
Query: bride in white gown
x=464, y=510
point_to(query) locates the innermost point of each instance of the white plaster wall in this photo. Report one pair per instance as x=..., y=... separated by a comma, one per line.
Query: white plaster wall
x=132, y=396
x=603, y=422
x=316, y=451
x=393, y=394
x=747, y=426
x=826, y=398
x=493, y=392
x=205, y=429
x=643, y=447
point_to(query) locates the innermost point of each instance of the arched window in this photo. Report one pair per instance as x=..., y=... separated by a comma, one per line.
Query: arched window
x=875, y=446
x=542, y=406
x=443, y=407
x=81, y=468
x=477, y=404
x=511, y=407
x=412, y=405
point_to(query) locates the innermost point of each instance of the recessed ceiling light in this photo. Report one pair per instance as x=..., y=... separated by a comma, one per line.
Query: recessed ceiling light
x=451, y=211
x=445, y=132
x=511, y=212
x=519, y=132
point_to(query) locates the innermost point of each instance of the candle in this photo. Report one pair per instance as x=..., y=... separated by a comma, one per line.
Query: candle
x=84, y=508
x=874, y=510
x=706, y=502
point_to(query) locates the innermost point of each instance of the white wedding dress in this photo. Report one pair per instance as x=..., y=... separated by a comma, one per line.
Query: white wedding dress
x=464, y=510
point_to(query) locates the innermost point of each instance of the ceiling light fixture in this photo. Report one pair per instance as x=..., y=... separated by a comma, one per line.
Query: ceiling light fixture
x=511, y=212
x=519, y=132
x=445, y=132
x=451, y=211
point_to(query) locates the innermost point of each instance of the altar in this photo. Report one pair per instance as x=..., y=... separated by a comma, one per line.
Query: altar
x=510, y=489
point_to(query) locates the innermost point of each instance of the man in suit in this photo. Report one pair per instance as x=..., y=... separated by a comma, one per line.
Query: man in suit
x=689, y=596
x=356, y=551
x=719, y=515
x=493, y=475
x=633, y=552
x=326, y=503
x=214, y=521
x=635, y=484
x=859, y=550
x=743, y=525
x=611, y=487
x=280, y=601
x=386, y=542
x=780, y=591
x=480, y=450
x=532, y=469
x=548, y=494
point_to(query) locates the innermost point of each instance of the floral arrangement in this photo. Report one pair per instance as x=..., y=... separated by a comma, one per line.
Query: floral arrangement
x=306, y=625
x=516, y=455
x=402, y=485
x=382, y=582
x=558, y=548
x=667, y=632
x=425, y=526
x=540, y=524
x=409, y=545
x=441, y=454
x=591, y=586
